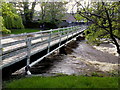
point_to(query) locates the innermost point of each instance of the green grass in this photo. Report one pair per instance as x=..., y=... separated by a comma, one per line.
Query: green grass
x=19, y=31
x=64, y=82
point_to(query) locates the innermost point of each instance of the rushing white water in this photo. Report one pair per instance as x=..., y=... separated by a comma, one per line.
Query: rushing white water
x=101, y=66
x=109, y=48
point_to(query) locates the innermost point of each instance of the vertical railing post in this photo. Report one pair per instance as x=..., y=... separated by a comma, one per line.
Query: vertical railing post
x=49, y=40
x=67, y=33
x=60, y=32
x=41, y=36
x=28, y=44
x=1, y=49
x=72, y=31
x=76, y=30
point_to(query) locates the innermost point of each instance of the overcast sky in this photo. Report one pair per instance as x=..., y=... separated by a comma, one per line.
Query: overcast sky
x=69, y=6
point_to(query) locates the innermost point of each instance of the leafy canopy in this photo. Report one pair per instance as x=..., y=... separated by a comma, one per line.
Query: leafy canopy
x=100, y=27
x=10, y=16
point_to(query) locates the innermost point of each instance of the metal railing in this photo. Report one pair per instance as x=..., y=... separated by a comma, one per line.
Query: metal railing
x=17, y=47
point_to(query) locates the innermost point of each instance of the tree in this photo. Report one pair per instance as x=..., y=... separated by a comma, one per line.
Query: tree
x=3, y=28
x=28, y=13
x=10, y=17
x=79, y=18
x=52, y=11
x=26, y=9
x=105, y=21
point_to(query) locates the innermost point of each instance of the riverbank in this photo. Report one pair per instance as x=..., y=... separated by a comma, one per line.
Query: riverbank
x=81, y=59
x=64, y=82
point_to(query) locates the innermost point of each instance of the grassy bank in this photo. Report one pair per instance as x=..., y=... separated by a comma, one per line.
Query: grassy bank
x=19, y=31
x=64, y=82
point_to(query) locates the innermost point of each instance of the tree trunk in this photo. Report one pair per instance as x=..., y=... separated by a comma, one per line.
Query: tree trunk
x=111, y=33
x=32, y=10
x=26, y=12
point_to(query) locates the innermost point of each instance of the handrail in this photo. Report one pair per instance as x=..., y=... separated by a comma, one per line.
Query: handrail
x=31, y=45
x=26, y=34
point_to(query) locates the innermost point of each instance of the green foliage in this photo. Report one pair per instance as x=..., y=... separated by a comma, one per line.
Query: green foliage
x=65, y=82
x=2, y=27
x=117, y=33
x=64, y=29
x=19, y=31
x=11, y=18
x=52, y=12
x=94, y=34
x=100, y=28
x=80, y=18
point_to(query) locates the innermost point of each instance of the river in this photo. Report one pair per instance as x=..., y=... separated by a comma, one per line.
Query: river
x=81, y=59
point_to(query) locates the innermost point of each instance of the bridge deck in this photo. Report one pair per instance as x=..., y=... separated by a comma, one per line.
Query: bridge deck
x=19, y=47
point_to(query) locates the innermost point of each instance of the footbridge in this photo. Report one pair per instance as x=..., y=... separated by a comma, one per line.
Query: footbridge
x=17, y=51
